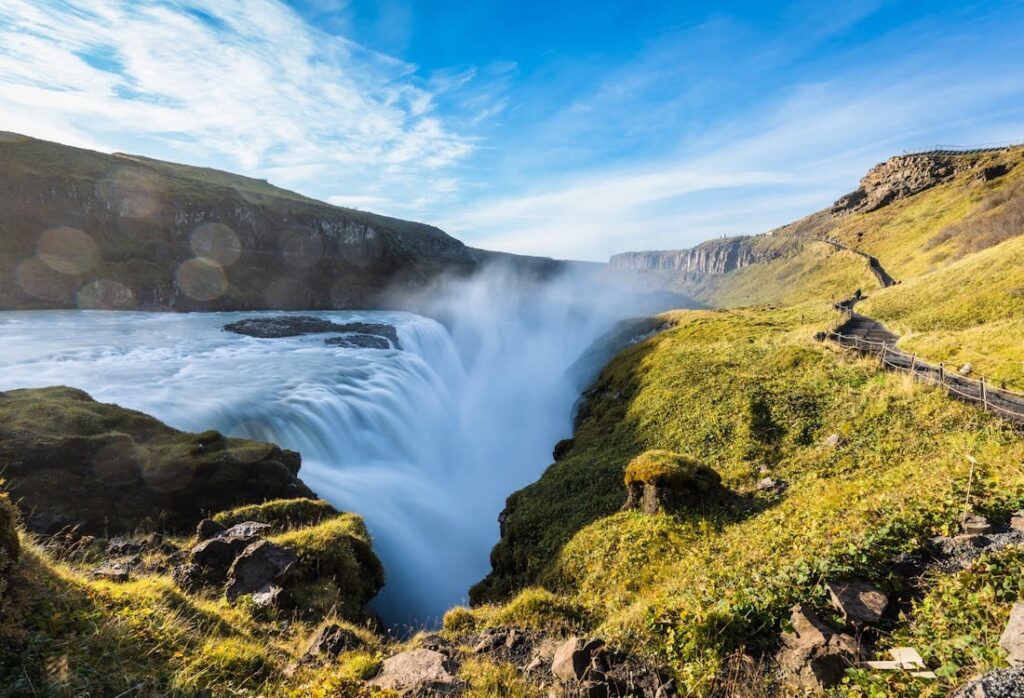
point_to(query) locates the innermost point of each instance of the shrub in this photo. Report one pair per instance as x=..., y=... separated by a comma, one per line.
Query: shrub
x=459, y=620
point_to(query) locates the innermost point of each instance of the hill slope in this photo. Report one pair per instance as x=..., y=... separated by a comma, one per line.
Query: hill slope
x=85, y=229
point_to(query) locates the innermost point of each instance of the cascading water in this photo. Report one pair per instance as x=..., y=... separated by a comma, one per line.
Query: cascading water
x=425, y=443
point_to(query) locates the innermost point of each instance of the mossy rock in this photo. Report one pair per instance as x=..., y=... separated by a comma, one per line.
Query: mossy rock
x=660, y=480
x=69, y=458
x=282, y=514
x=337, y=567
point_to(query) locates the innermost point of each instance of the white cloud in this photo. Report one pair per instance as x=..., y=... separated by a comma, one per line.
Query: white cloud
x=246, y=81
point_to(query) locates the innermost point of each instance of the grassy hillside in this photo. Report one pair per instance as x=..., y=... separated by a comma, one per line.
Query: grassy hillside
x=746, y=392
x=971, y=311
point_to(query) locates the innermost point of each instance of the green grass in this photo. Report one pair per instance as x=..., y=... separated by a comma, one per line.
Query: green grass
x=282, y=514
x=970, y=311
x=738, y=390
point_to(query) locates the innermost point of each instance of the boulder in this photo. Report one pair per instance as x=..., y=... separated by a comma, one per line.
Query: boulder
x=214, y=557
x=1003, y=683
x=112, y=571
x=772, y=485
x=246, y=529
x=834, y=440
x=419, y=671
x=814, y=657
x=295, y=325
x=119, y=546
x=267, y=598
x=187, y=575
x=1012, y=639
x=261, y=565
x=975, y=524
x=330, y=641
x=1017, y=521
x=576, y=659
x=859, y=602
x=208, y=528
x=966, y=370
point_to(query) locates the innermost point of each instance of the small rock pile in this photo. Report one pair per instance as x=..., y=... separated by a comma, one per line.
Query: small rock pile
x=240, y=558
x=814, y=656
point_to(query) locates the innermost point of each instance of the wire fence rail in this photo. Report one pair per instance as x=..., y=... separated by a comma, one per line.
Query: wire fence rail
x=1000, y=401
x=943, y=149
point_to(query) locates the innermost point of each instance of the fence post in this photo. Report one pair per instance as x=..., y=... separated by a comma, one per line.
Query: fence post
x=885, y=347
x=984, y=395
x=942, y=374
x=913, y=365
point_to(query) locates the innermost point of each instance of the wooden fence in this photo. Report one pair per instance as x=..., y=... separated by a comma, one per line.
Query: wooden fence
x=1000, y=401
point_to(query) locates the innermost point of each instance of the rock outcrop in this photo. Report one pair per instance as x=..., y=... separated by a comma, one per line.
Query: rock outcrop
x=897, y=178
x=711, y=258
x=815, y=657
x=420, y=671
x=69, y=460
x=658, y=481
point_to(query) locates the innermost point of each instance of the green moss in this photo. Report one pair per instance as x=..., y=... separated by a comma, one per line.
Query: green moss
x=282, y=514
x=662, y=467
x=340, y=568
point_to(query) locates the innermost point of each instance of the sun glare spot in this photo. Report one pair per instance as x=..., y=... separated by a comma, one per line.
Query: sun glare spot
x=202, y=279
x=68, y=250
x=104, y=294
x=217, y=242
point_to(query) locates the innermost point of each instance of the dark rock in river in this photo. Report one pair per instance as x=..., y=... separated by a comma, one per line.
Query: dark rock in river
x=367, y=335
x=283, y=326
x=358, y=341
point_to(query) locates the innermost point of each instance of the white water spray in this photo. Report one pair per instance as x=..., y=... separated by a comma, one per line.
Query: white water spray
x=425, y=443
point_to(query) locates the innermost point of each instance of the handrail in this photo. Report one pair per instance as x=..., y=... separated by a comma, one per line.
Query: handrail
x=1006, y=403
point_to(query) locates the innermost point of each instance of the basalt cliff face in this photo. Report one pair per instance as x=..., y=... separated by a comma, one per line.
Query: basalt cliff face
x=710, y=258
x=90, y=230
x=899, y=177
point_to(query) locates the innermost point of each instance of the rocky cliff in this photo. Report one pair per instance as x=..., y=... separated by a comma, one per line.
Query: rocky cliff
x=899, y=177
x=86, y=229
x=713, y=257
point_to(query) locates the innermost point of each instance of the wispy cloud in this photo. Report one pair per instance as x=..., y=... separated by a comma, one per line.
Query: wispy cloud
x=246, y=81
x=786, y=153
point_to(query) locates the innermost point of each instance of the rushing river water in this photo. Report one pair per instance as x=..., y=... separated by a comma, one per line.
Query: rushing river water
x=425, y=442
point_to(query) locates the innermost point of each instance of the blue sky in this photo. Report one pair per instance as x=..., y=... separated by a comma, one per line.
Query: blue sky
x=571, y=129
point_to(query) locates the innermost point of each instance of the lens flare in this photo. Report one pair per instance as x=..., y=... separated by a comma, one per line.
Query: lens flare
x=104, y=294
x=68, y=250
x=40, y=281
x=132, y=192
x=202, y=279
x=217, y=242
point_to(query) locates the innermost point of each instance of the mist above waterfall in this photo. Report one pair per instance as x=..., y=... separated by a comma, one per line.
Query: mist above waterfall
x=425, y=443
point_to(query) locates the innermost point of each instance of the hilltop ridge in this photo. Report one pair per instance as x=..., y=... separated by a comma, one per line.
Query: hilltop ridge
x=85, y=229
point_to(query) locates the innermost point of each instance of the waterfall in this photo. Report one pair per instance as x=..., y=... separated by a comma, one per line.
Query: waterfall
x=426, y=443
